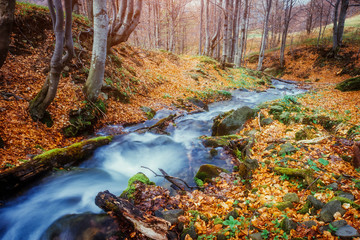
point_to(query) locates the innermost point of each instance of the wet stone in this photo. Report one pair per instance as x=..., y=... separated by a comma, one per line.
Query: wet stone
x=347, y=232
x=309, y=224
x=346, y=195
x=291, y=197
x=256, y=236
x=333, y=186
x=317, y=204
x=328, y=211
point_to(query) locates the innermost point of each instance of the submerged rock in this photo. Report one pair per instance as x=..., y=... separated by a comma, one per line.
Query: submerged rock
x=230, y=122
x=81, y=226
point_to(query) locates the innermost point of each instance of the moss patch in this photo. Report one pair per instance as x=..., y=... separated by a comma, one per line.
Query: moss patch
x=139, y=177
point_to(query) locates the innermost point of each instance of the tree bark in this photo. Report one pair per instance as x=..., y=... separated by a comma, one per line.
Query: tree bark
x=265, y=35
x=341, y=24
x=151, y=226
x=47, y=94
x=207, y=33
x=240, y=53
x=95, y=79
x=287, y=17
x=7, y=8
x=335, y=25
x=201, y=24
x=124, y=24
x=225, y=35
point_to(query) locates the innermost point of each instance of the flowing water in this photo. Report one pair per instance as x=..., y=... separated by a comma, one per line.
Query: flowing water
x=179, y=154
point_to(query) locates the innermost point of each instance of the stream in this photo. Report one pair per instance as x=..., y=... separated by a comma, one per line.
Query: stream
x=180, y=154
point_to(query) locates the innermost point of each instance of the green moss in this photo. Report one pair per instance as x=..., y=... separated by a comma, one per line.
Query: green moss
x=74, y=151
x=219, y=141
x=139, y=177
x=208, y=171
x=199, y=182
x=283, y=205
x=346, y=200
x=305, y=209
x=351, y=84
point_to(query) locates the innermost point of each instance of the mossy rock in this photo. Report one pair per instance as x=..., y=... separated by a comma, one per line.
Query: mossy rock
x=283, y=205
x=351, y=84
x=219, y=141
x=287, y=148
x=150, y=113
x=323, y=120
x=84, y=119
x=131, y=188
x=230, y=122
x=207, y=172
x=305, y=133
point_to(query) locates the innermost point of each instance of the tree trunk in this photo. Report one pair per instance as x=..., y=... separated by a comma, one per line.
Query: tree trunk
x=335, y=25
x=7, y=8
x=235, y=30
x=287, y=18
x=265, y=35
x=90, y=11
x=342, y=16
x=124, y=24
x=47, y=94
x=243, y=35
x=94, y=81
x=320, y=27
x=152, y=227
x=201, y=24
x=225, y=30
x=207, y=33
x=230, y=12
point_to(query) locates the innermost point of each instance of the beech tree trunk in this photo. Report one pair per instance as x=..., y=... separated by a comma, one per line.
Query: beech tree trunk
x=201, y=24
x=101, y=22
x=287, y=17
x=341, y=24
x=7, y=8
x=207, y=33
x=47, y=94
x=265, y=35
x=125, y=22
x=240, y=53
x=226, y=32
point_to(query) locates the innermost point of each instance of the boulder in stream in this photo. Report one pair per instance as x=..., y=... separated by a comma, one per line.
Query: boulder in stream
x=207, y=172
x=232, y=121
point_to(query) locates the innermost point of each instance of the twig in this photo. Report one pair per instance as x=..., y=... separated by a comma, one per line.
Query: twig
x=104, y=115
x=308, y=187
x=171, y=179
x=259, y=116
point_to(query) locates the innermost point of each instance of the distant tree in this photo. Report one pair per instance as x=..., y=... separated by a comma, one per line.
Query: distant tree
x=288, y=6
x=63, y=36
x=7, y=8
x=264, y=37
x=339, y=17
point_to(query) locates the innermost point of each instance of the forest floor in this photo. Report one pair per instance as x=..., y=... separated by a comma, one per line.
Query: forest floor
x=161, y=79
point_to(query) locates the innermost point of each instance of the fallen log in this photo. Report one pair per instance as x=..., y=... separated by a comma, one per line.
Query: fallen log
x=13, y=179
x=151, y=226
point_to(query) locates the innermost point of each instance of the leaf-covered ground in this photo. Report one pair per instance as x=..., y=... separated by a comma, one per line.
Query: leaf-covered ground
x=134, y=76
x=230, y=206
